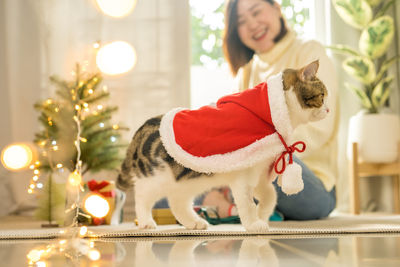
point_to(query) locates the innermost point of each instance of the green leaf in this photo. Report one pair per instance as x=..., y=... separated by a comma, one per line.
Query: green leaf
x=364, y=100
x=377, y=37
x=384, y=67
x=361, y=68
x=356, y=13
x=381, y=92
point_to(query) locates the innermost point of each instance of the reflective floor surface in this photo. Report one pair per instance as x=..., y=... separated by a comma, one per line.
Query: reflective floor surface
x=361, y=250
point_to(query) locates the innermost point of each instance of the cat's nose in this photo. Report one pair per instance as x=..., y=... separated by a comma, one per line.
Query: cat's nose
x=327, y=110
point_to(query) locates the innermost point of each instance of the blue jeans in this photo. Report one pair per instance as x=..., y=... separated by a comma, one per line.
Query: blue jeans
x=312, y=203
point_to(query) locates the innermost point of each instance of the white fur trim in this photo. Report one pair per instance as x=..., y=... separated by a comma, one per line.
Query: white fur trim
x=264, y=149
x=292, y=181
x=277, y=104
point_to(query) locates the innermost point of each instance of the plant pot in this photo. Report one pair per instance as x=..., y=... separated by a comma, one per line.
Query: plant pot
x=377, y=136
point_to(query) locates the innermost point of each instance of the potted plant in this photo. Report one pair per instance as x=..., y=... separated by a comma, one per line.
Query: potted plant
x=375, y=131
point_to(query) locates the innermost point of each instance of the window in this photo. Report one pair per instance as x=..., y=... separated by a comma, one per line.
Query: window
x=210, y=75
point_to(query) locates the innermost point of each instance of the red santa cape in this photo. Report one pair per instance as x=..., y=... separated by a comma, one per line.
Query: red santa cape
x=243, y=129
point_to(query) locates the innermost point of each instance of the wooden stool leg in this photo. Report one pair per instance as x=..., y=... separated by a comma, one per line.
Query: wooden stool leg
x=396, y=185
x=396, y=193
x=354, y=182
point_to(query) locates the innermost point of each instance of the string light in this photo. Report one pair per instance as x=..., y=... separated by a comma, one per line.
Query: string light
x=75, y=178
x=83, y=231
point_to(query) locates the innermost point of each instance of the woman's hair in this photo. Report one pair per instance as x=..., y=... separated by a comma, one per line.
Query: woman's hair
x=236, y=52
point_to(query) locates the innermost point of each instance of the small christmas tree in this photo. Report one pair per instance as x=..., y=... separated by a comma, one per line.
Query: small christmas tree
x=99, y=140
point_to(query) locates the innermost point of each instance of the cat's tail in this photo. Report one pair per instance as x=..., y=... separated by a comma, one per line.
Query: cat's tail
x=125, y=179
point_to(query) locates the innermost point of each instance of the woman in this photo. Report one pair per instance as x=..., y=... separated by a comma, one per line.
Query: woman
x=258, y=44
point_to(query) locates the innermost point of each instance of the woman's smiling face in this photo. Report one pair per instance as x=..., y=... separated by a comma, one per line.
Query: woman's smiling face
x=258, y=24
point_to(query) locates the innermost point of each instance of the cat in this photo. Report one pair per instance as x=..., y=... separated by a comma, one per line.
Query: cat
x=156, y=170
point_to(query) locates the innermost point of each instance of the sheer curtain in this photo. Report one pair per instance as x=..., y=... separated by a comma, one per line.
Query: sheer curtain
x=46, y=37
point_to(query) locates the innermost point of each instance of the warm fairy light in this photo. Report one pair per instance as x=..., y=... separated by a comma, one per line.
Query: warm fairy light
x=105, y=88
x=54, y=142
x=32, y=186
x=63, y=242
x=43, y=143
x=30, y=191
x=56, y=109
x=35, y=178
x=37, y=172
x=96, y=205
x=116, y=58
x=49, y=101
x=96, y=45
x=39, y=185
x=55, y=148
x=34, y=255
x=77, y=107
x=91, y=244
x=90, y=91
x=81, y=83
x=16, y=156
x=94, y=254
x=41, y=264
x=59, y=165
x=113, y=139
x=83, y=139
x=32, y=167
x=83, y=231
x=37, y=163
x=75, y=178
x=101, y=124
x=115, y=127
x=85, y=105
x=116, y=8
x=99, y=107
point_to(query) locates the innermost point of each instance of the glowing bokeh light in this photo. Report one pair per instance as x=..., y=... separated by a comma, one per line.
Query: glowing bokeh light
x=94, y=254
x=16, y=156
x=96, y=205
x=75, y=178
x=116, y=8
x=116, y=58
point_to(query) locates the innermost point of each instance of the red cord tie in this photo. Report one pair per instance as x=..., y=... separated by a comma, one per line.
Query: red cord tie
x=289, y=150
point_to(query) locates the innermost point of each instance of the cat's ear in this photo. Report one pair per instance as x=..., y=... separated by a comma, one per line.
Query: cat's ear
x=309, y=71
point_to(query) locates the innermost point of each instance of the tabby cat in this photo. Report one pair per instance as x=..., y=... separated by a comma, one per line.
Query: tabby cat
x=155, y=169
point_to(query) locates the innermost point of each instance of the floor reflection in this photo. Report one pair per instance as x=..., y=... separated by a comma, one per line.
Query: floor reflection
x=216, y=251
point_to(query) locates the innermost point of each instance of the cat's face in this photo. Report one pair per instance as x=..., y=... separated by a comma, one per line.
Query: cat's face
x=305, y=93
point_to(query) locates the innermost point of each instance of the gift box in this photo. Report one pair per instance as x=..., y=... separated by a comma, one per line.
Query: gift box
x=163, y=216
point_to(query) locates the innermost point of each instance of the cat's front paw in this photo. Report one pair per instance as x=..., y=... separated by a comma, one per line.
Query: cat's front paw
x=199, y=224
x=150, y=224
x=258, y=226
